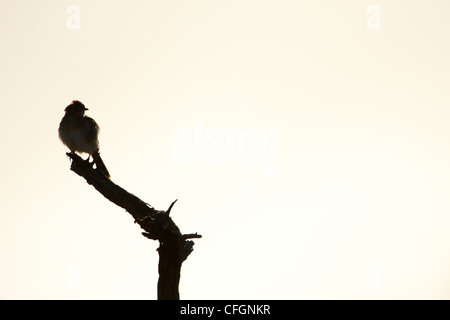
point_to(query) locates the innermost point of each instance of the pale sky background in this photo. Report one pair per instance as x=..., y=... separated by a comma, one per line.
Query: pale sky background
x=359, y=206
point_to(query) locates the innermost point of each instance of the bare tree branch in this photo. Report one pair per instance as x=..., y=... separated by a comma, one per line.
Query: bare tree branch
x=170, y=207
x=174, y=246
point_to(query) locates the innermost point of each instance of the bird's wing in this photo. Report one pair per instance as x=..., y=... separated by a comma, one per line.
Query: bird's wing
x=91, y=130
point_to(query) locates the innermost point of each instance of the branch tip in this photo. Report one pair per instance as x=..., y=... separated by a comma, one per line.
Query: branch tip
x=192, y=236
x=170, y=207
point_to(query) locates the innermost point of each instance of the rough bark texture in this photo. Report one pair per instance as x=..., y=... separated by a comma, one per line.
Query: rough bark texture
x=174, y=247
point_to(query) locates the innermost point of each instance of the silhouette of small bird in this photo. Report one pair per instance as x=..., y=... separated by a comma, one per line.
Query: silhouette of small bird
x=80, y=133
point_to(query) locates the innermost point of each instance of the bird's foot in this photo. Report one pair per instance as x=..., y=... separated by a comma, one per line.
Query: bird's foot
x=70, y=154
x=89, y=158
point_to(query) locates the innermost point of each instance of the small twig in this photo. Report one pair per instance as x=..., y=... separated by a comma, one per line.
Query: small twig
x=192, y=236
x=170, y=207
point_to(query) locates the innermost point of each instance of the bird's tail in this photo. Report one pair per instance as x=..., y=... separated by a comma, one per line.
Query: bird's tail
x=100, y=164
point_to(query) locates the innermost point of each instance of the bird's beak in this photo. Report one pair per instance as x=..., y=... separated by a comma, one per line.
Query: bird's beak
x=85, y=109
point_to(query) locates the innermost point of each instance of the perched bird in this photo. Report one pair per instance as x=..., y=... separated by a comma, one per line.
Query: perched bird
x=80, y=133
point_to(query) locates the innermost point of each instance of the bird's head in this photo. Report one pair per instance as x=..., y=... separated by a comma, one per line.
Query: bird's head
x=76, y=108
